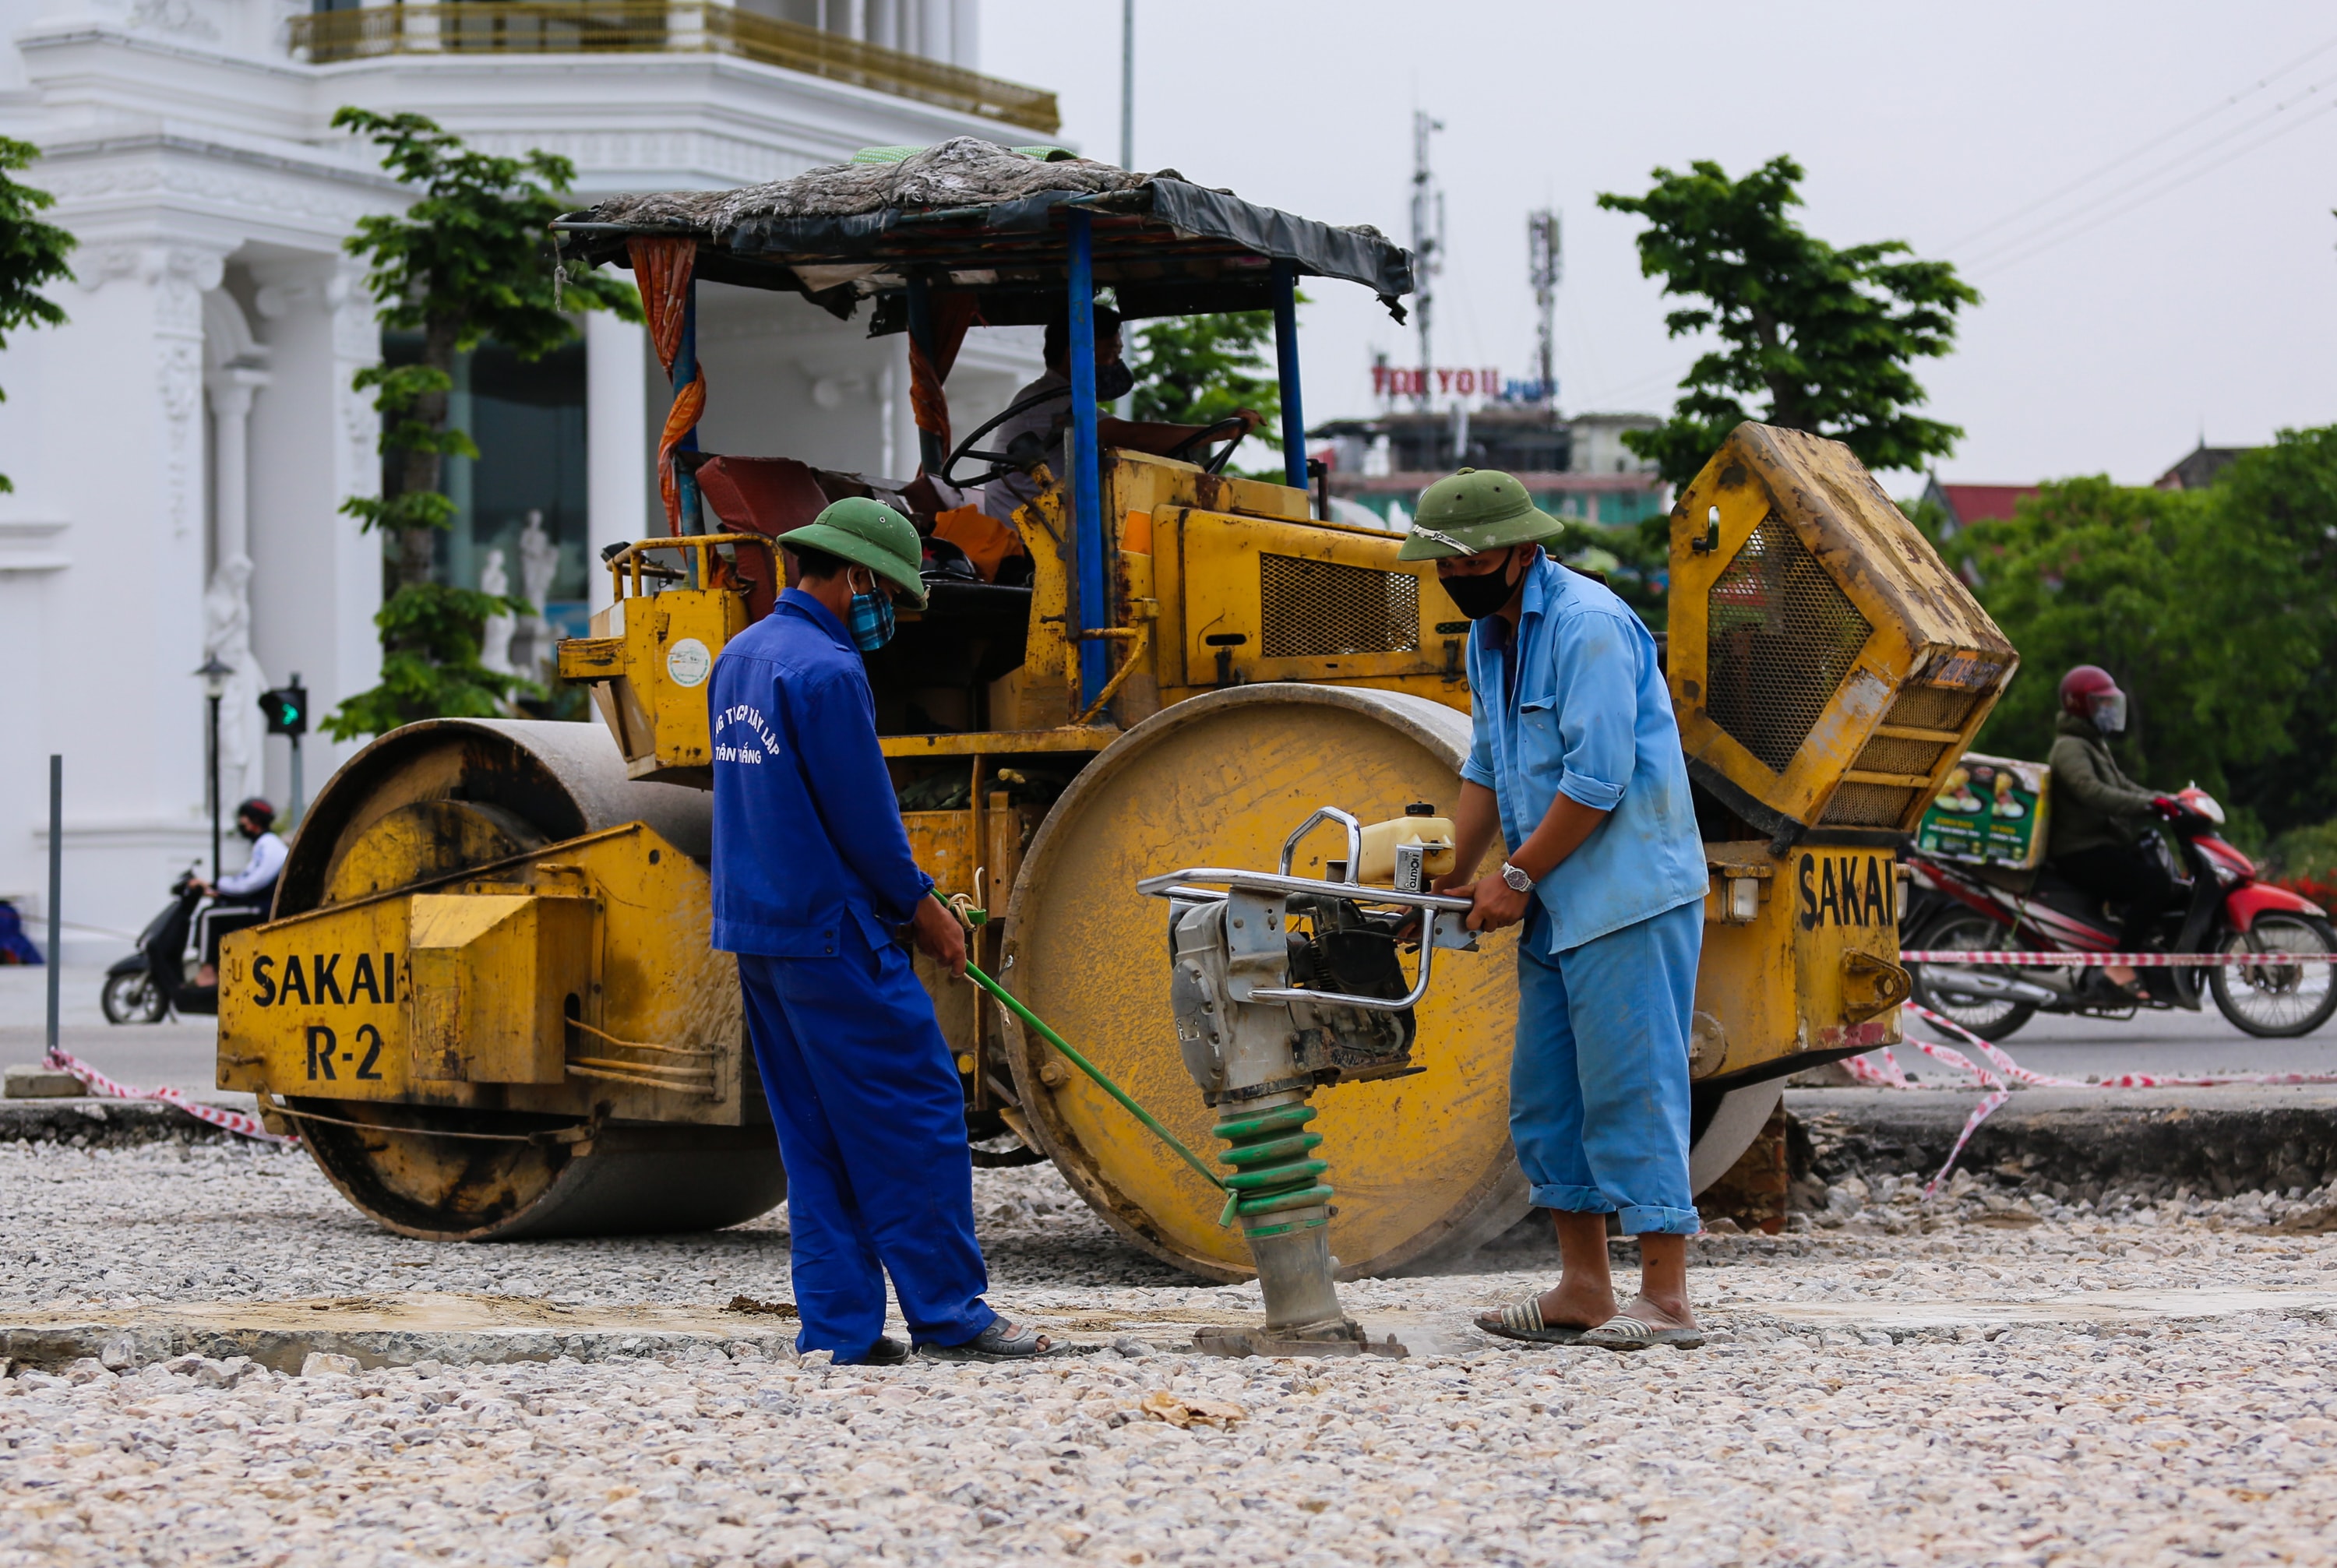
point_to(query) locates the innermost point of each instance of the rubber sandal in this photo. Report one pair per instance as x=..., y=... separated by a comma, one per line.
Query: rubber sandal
x=1622, y=1333
x=886, y=1352
x=1523, y=1321
x=1001, y=1341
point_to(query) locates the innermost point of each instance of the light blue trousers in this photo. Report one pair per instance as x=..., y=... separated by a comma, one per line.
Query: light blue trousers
x=1598, y=1102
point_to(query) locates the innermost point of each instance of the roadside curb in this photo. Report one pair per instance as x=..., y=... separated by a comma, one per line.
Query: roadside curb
x=2146, y=1142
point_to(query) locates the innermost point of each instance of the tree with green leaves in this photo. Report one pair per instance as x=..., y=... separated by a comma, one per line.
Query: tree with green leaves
x=1820, y=339
x=2216, y=610
x=470, y=260
x=1200, y=369
x=32, y=253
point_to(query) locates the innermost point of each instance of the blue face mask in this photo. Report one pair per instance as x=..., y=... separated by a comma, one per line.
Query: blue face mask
x=871, y=620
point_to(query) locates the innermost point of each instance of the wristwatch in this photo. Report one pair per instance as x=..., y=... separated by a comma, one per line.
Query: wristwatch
x=1516, y=878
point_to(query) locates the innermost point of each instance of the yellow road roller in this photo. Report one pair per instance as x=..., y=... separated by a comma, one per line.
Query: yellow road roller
x=486, y=999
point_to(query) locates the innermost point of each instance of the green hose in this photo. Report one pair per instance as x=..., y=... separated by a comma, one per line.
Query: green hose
x=1081, y=1062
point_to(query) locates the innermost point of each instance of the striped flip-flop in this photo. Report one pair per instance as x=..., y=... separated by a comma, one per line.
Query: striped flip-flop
x=1622, y=1333
x=1523, y=1321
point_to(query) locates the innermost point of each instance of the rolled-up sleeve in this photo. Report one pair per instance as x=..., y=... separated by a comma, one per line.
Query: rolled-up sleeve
x=1598, y=709
x=835, y=724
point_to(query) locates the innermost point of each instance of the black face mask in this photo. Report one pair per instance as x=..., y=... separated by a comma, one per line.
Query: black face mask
x=1481, y=595
x=1114, y=381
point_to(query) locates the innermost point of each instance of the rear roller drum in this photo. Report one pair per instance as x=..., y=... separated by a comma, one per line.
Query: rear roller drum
x=447, y=795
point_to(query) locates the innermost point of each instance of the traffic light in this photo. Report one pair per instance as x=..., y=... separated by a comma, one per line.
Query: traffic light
x=286, y=708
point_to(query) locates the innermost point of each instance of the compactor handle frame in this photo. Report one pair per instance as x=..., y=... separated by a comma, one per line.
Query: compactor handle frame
x=634, y=555
x=1443, y=929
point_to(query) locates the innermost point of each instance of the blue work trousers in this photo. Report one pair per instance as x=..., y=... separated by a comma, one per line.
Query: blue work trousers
x=1598, y=1102
x=872, y=1125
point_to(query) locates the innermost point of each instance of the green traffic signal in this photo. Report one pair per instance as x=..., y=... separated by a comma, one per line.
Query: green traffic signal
x=286, y=709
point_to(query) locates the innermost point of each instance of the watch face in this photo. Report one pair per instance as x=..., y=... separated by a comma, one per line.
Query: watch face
x=1517, y=879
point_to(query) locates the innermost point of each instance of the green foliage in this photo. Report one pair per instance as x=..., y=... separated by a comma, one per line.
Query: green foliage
x=470, y=258
x=2216, y=610
x=32, y=253
x=430, y=665
x=1823, y=335
x=474, y=254
x=1198, y=369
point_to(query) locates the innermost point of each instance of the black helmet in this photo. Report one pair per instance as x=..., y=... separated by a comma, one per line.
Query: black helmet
x=259, y=811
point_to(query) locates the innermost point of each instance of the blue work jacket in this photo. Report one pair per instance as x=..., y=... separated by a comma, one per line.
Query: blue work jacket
x=806, y=830
x=1575, y=705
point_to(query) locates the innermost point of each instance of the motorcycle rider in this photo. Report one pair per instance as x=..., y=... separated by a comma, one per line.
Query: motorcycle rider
x=253, y=888
x=2102, y=820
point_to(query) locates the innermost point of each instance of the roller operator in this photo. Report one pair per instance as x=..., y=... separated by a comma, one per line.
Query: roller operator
x=814, y=886
x=1575, y=763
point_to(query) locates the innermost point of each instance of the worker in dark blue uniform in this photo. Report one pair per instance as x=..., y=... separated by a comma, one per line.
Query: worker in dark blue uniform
x=812, y=878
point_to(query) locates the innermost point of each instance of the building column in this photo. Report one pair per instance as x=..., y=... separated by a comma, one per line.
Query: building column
x=317, y=575
x=616, y=439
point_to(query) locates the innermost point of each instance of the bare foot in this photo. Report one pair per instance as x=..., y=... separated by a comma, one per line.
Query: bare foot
x=206, y=975
x=1659, y=1315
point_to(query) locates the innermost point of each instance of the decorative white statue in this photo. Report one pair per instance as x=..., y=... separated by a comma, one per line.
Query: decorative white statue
x=495, y=639
x=226, y=637
x=539, y=563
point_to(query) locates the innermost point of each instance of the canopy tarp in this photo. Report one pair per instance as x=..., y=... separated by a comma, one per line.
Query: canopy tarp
x=970, y=215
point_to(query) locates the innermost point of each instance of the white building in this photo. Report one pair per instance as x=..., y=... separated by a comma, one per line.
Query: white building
x=179, y=450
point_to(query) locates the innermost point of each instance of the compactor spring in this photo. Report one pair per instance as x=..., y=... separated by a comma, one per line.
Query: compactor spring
x=1271, y=1157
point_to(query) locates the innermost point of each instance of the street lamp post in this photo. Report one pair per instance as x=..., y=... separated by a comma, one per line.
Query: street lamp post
x=214, y=676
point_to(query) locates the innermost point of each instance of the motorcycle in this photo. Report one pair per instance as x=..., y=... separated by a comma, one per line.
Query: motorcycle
x=2221, y=907
x=158, y=978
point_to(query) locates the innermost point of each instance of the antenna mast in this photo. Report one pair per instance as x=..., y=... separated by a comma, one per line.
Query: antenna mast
x=1427, y=239
x=1545, y=261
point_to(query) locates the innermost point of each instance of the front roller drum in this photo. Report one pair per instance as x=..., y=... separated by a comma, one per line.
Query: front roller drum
x=431, y=801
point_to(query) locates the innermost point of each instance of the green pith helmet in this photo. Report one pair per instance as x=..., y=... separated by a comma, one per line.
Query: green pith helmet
x=867, y=534
x=1473, y=511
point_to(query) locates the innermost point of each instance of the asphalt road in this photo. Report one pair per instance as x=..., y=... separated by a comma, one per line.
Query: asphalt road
x=180, y=1052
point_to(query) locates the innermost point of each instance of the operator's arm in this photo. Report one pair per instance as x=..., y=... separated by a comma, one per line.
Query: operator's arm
x=1156, y=436
x=2077, y=772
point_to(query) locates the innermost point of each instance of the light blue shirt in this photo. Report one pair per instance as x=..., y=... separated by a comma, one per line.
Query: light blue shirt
x=1585, y=714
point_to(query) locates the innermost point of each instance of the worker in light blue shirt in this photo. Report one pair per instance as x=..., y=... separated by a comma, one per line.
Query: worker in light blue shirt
x=1576, y=763
x=812, y=878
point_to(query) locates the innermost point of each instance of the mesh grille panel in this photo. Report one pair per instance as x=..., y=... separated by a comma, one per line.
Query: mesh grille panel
x=1313, y=608
x=1780, y=638
x=1931, y=708
x=1885, y=754
x=1868, y=806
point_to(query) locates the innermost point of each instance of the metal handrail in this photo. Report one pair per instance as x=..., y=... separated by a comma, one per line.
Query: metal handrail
x=663, y=26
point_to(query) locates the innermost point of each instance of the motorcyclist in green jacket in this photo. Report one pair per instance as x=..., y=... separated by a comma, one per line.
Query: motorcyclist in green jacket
x=2102, y=821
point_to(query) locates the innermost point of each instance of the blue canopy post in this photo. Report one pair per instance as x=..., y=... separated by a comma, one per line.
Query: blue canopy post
x=1286, y=355
x=685, y=371
x=1090, y=585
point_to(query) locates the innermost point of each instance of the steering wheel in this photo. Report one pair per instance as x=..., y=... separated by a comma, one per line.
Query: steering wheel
x=1232, y=424
x=1001, y=464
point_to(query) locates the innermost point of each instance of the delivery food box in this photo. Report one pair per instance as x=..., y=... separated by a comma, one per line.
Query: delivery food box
x=1993, y=812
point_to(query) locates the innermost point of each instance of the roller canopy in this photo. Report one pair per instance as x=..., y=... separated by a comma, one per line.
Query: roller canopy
x=969, y=215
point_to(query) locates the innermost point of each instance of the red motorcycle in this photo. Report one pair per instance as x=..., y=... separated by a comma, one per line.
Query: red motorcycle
x=2223, y=908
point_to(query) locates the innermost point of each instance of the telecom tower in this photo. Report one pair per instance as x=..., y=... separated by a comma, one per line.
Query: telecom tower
x=1546, y=262
x=1427, y=239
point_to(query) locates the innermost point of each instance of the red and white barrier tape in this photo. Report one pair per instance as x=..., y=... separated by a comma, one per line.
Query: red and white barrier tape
x=98, y=1083
x=2269, y=960
x=1888, y=1074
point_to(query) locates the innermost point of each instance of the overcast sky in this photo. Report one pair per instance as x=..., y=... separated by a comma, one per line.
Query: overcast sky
x=2212, y=307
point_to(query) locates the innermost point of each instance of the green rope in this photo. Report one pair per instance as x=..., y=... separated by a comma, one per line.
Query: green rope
x=1081, y=1062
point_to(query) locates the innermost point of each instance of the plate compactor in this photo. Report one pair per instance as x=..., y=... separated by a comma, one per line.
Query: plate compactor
x=486, y=998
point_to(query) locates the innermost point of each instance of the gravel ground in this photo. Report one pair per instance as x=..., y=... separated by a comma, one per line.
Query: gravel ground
x=2044, y=1443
